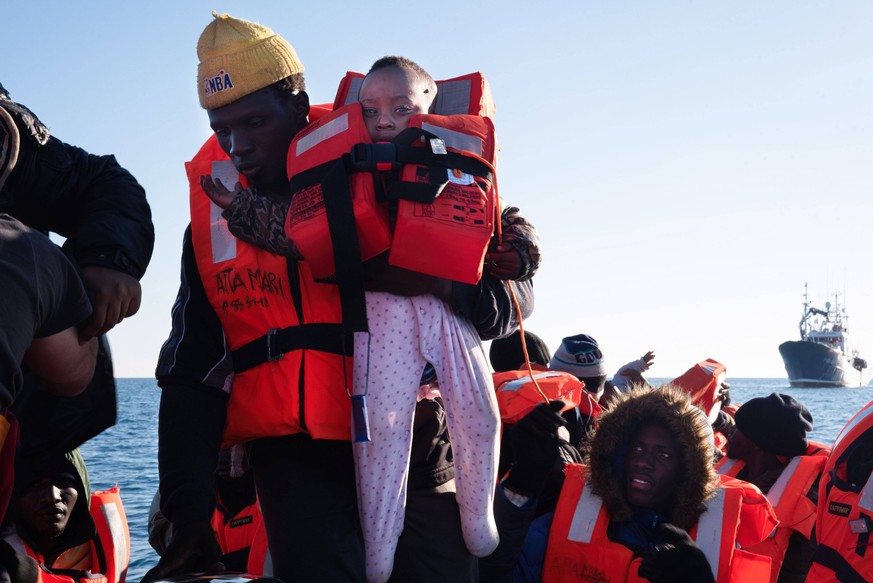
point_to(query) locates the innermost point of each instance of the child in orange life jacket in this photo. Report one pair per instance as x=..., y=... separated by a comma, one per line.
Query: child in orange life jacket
x=405, y=334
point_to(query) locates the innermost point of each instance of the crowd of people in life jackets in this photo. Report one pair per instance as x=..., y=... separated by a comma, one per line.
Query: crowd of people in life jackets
x=328, y=411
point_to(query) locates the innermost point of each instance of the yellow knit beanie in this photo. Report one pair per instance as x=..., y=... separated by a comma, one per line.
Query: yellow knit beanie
x=238, y=57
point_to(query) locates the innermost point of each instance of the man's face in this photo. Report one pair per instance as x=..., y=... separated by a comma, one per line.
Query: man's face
x=389, y=97
x=46, y=506
x=651, y=468
x=255, y=131
x=739, y=446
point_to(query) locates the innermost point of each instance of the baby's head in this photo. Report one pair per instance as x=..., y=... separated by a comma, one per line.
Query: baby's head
x=394, y=89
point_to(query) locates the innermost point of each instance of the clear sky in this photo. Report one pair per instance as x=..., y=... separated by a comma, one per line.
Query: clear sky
x=689, y=164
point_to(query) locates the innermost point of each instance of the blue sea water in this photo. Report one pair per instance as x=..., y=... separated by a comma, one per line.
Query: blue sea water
x=126, y=454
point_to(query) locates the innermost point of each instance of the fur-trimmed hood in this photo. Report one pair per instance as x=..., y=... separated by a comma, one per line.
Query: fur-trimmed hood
x=668, y=406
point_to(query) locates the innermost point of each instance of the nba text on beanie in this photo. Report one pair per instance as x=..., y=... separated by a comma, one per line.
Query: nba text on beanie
x=238, y=57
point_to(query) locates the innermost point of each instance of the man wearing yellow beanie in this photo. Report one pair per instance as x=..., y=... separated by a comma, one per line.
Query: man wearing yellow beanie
x=255, y=353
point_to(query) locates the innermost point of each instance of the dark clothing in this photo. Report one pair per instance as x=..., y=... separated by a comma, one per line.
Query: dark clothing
x=41, y=296
x=193, y=369
x=102, y=211
x=432, y=550
x=316, y=536
x=91, y=200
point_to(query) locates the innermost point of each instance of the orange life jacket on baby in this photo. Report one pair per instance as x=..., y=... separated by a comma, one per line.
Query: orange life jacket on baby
x=446, y=192
x=314, y=163
x=788, y=496
x=284, y=329
x=580, y=550
x=844, y=519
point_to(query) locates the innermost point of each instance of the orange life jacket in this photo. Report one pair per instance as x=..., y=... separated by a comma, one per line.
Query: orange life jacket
x=109, y=550
x=702, y=382
x=517, y=394
x=844, y=519
x=446, y=193
x=447, y=236
x=580, y=550
x=283, y=328
x=244, y=531
x=788, y=496
x=313, y=158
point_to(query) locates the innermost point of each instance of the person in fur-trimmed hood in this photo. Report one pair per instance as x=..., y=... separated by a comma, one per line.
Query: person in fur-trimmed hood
x=610, y=458
x=626, y=514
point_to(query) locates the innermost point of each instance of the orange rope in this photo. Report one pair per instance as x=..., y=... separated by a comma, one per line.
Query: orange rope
x=509, y=285
x=523, y=343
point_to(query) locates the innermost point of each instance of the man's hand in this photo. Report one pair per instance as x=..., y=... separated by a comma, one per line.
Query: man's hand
x=216, y=191
x=116, y=296
x=536, y=445
x=504, y=262
x=192, y=550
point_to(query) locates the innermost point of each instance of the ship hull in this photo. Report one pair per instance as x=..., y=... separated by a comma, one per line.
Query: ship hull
x=809, y=364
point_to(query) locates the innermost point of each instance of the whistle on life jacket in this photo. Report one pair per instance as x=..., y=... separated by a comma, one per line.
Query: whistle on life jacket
x=360, y=419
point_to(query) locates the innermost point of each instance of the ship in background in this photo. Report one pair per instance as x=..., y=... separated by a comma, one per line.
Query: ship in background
x=823, y=357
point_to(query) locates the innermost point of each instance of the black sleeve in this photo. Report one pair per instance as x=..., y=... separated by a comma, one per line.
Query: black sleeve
x=489, y=305
x=62, y=298
x=91, y=200
x=191, y=421
x=195, y=352
x=193, y=368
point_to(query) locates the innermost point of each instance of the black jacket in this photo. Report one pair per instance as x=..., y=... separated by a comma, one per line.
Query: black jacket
x=91, y=200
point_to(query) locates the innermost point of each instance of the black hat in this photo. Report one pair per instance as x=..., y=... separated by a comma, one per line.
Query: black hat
x=777, y=424
x=506, y=353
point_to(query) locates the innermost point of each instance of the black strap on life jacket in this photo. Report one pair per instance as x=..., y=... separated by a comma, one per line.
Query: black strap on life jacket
x=830, y=558
x=346, y=247
x=276, y=342
x=863, y=537
x=392, y=155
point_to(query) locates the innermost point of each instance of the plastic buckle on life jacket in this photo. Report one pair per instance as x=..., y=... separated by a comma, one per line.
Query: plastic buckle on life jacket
x=271, y=344
x=368, y=157
x=438, y=146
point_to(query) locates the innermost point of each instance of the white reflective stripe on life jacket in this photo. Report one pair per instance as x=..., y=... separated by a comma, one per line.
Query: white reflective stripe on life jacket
x=456, y=140
x=453, y=97
x=119, y=535
x=865, y=500
x=518, y=383
x=324, y=132
x=585, y=517
x=223, y=242
x=725, y=468
x=709, y=530
x=774, y=494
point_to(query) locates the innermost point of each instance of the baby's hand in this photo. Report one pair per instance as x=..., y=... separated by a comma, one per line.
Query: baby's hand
x=504, y=261
x=216, y=191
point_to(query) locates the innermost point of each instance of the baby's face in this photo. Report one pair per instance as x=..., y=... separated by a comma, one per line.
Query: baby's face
x=388, y=98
